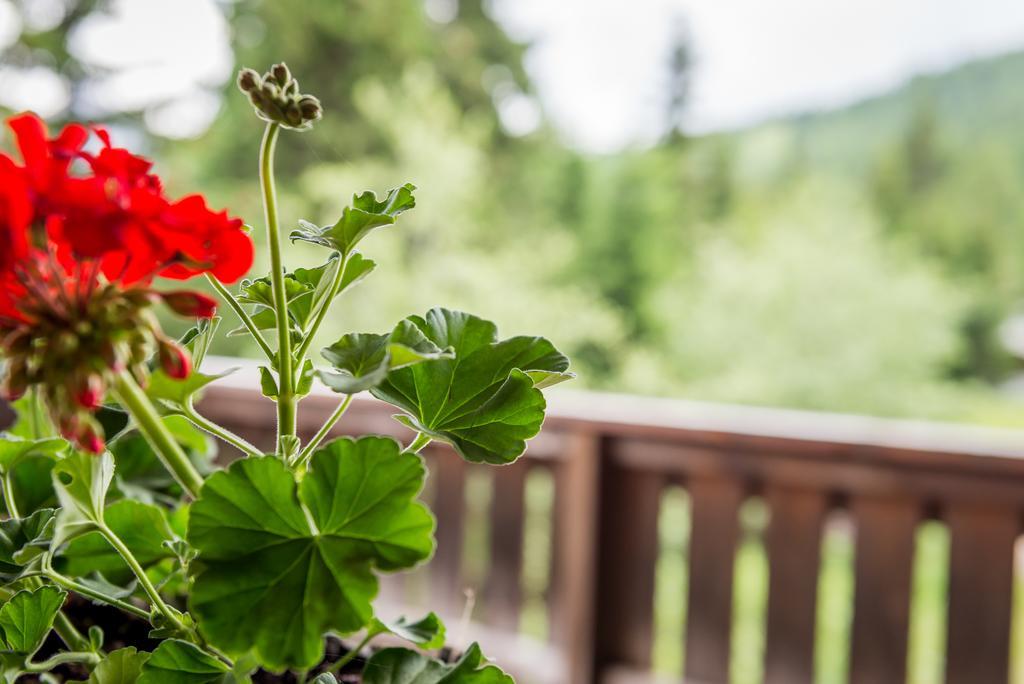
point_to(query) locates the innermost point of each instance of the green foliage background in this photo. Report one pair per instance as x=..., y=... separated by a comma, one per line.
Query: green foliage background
x=857, y=260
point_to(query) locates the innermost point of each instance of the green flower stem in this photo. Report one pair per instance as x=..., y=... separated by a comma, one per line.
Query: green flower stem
x=239, y=310
x=224, y=434
x=286, y=401
x=321, y=313
x=71, y=585
x=69, y=634
x=353, y=654
x=170, y=453
x=417, y=444
x=307, y=451
x=8, y=485
x=140, y=573
x=87, y=657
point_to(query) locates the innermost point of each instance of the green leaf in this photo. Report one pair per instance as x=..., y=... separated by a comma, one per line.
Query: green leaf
x=122, y=666
x=27, y=617
x=402, y=666
x=356, y=222
x=268, y=385
x=304, y=385
x=325, y=678
x=305, y=290
x=428, y=632
x=33, y=486
x=170, y=393
x=485, y=402
x=179, y=662
x=272, y=583
x=81, y=481
x=363, y=360
x=22, y=540
x=14, y=449
x=199, y=339
x=142, y=527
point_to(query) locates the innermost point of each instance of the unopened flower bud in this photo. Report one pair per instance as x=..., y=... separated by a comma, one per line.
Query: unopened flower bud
x=19, y=341
x=190, y=304
x=88, y=437
x=281, y=74
x=310, y=108
x=111, y=356
x=248, y=80
x=89, y=393
x=293, y=116
x=15, y=382
x=277, y=99
x=174, y=360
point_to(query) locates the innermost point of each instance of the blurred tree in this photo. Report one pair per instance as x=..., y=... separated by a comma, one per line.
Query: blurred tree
x=334, y=46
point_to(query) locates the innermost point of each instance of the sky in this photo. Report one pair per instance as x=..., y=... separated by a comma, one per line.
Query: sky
x=597, y=62
x=598, y=65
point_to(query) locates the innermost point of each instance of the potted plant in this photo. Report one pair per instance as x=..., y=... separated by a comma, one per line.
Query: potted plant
x=113, y=504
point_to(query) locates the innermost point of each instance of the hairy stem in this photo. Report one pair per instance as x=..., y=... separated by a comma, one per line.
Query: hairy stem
x=140, y=573
x=170, y=453
x=321, y=313
x=8, y=485
x=71, y=585
x=69, y=634
x=239, y=310
x=286, y=401
x=417, y=444
x=224, y=434
x=353, y=654
x=87, y=657
x=307, y=451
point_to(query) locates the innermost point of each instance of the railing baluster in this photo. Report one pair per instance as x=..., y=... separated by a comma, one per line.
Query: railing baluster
x=794, y=552
x=627, y=554
x=980, y=591
x=881, y=612
x=574, y=576
x=449, y=504
x=714, y=505
x=503, y=588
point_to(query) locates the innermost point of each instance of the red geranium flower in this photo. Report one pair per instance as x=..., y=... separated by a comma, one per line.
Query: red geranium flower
x=82, y=236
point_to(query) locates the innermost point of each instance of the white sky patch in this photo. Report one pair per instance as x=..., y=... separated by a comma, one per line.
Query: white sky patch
x=37, y=89
x=167, y=58
x=10, y=24
x=600, y=64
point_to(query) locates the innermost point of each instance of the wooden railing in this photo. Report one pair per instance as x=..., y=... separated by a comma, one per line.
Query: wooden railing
x=610, y=458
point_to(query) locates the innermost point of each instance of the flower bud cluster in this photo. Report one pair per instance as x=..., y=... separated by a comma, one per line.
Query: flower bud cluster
x=275, y=96
x=73, y=348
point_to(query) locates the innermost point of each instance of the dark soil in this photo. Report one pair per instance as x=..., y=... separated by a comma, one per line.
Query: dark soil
x=121, y=630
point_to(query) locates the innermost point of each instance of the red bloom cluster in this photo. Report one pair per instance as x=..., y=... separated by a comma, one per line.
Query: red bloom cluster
x=82, y=236
x=115, y=213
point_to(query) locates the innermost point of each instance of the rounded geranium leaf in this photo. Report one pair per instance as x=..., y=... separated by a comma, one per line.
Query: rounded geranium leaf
x=403, y=666
x=122, y=666
x=27, y=617
x=486, y=402
x=366, y=213
x=179, y=662
x=281, y=564
x=363, y=360
x=22, y=540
